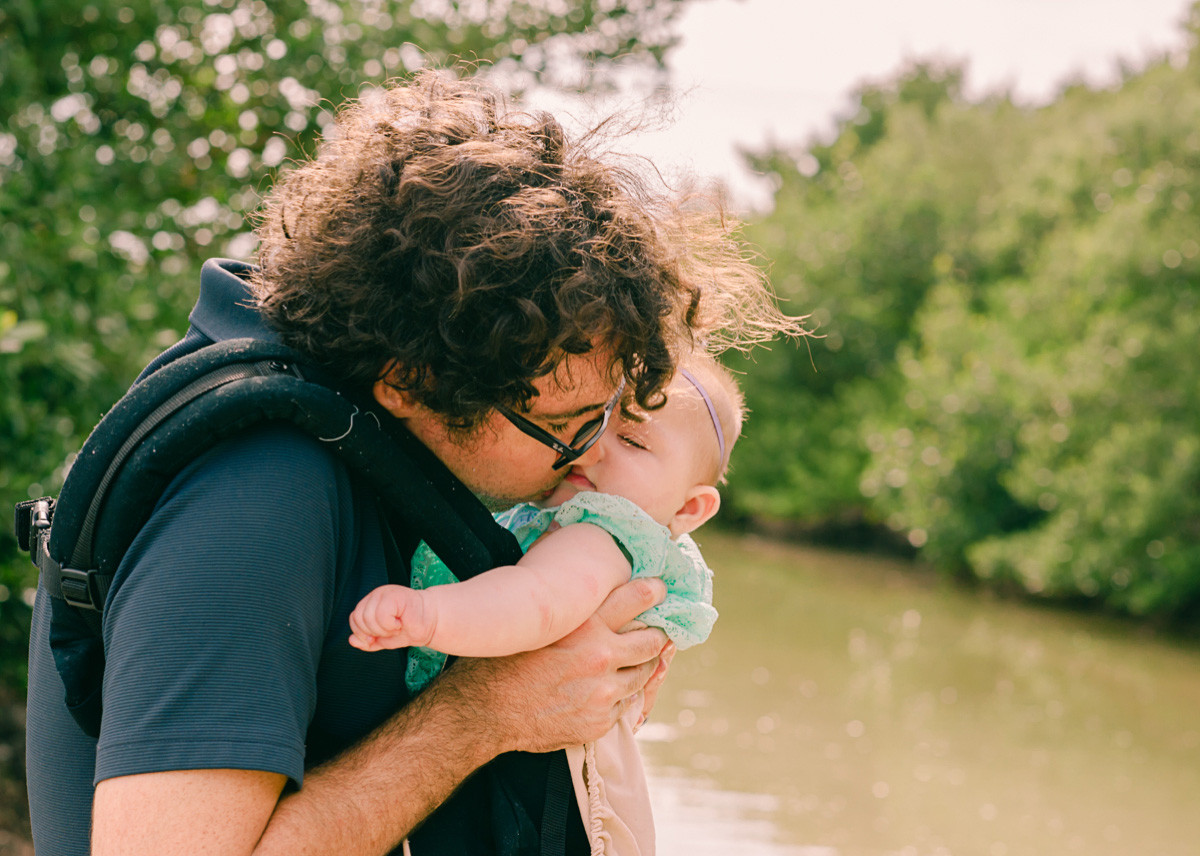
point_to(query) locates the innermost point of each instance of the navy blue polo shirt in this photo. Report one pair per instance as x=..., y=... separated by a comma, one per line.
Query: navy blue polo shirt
x=226, y=630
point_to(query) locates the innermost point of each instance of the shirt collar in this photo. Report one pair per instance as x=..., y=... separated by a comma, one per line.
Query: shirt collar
x=226, y=308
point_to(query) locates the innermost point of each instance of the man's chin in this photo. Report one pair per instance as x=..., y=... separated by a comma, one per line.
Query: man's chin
x=502, y=503
x=496, y=503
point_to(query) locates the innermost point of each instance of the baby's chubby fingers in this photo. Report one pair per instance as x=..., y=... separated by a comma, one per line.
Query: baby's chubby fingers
x=361, y=635
x=375, y=615
x=377, y=643
x=356, y=623
x=364, y=643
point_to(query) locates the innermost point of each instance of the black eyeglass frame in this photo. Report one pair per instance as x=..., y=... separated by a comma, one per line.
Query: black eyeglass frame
x=590, y=432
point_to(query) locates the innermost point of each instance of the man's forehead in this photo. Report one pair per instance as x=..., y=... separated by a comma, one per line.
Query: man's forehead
x=578, y=384
x=546, y=408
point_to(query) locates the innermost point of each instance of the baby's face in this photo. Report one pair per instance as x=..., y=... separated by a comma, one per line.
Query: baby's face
x=653, y=463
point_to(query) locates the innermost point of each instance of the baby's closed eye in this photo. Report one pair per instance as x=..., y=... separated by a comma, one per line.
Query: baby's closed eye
x=632, y=440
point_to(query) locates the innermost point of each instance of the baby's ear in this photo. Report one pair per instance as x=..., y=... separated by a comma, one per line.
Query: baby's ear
x=701, y=504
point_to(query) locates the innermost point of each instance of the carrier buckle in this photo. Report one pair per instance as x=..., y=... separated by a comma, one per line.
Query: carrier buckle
x=80, y=589
x=30, y=522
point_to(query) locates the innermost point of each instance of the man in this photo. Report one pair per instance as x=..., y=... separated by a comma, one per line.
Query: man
x=486, y=282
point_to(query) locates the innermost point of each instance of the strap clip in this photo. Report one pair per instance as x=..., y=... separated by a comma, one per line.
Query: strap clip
x=32, y=522
x=81, y=589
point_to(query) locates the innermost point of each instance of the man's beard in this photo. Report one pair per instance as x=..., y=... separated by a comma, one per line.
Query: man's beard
x=496, y=503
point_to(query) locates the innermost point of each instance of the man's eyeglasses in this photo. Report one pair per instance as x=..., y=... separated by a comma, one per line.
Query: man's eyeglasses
x=584, y=438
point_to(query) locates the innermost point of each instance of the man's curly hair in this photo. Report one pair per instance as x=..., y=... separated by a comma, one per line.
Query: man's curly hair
x=472, y=248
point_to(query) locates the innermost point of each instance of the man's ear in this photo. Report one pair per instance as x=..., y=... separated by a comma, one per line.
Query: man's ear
x=394, y=400
x=701, y=504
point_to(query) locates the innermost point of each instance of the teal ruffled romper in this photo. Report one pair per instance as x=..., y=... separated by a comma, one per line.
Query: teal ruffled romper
x=686, y=614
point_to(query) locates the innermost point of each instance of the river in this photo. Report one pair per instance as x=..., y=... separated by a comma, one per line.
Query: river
x=846, y=706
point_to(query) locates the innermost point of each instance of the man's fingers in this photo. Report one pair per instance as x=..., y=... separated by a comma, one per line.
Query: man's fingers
x=628, y=601
x=634, y=678
x=657, y=678
x=638, y=647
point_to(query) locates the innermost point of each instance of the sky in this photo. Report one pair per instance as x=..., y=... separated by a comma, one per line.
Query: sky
x=752, y=72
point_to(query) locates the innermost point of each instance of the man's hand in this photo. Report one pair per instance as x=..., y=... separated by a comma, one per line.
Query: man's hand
x=575, y=690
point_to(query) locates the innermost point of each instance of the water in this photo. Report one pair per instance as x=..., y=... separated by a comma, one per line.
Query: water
x=846, y=707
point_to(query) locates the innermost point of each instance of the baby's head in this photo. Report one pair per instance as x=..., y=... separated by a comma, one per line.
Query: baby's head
x=668, y=461
x=710, y=395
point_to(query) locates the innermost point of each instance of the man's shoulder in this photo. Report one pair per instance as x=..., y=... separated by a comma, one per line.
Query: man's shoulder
x=269, y=446
x=270, y=491
x=271, y=464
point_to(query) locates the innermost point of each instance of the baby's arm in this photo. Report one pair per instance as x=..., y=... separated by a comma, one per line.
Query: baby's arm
x=553, y=589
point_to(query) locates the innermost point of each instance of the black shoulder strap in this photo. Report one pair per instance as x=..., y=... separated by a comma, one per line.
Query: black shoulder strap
x=190, y=405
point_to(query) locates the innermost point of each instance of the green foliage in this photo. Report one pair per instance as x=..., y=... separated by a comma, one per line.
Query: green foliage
x=135, y=137
x=1021, y=289
x=860, y=228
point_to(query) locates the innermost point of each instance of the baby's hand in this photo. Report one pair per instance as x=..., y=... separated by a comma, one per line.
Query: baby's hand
x=389, y=617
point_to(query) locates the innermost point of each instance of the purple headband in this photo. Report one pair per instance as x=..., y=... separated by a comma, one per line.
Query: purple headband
x=712, y=411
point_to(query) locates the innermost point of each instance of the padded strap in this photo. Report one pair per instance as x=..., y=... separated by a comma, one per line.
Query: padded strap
x=559, y=793
x=196, y=401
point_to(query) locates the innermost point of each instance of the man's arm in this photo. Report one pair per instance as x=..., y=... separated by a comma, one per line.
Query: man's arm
x=182, y=812
x=366, y=801
x=562, y=580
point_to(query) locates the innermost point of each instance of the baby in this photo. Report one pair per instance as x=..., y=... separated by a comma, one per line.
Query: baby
x=625, y=512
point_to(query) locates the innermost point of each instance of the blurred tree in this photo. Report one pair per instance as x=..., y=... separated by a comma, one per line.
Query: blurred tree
x=134, y=138
x=859, y=228
x=1060, y=409
x=1010, y=304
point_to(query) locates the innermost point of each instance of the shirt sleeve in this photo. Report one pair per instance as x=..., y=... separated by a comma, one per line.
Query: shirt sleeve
x=217, y=616
x=686, y=614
